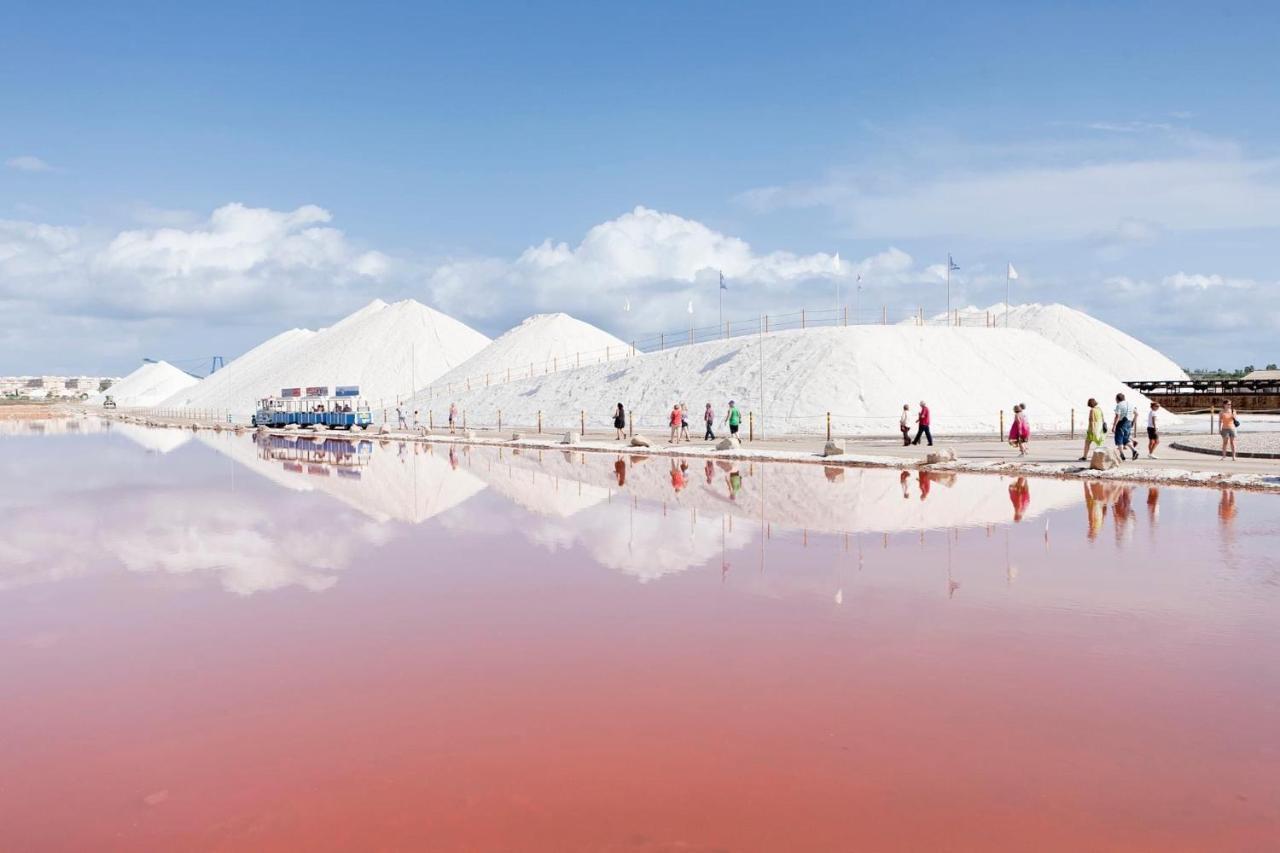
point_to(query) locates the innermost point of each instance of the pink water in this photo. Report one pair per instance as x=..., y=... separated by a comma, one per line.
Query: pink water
x=233, y=647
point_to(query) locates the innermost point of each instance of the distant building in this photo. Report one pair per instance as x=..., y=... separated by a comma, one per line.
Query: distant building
x=1264, y=375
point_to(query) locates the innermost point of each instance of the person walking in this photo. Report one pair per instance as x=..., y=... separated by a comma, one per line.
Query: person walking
x=1020, y=429
x=1153, y=430
x=733, y=418
x=453, y=416
x=675, y=419
x=1097, y=428
x=904, y=424
x=709, y=417
x=1227, y=425
x=620, y=422
x=1122, y=426
x=684, y=421
x=923, y=419
x=400, y=421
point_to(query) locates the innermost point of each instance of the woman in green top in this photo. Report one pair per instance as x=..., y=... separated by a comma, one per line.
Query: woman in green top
x=1097, y=428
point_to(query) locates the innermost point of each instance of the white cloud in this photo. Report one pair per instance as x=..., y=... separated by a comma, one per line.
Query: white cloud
x=658, y=261
x=1198, y=281
x=240, y=259
x=28, y=163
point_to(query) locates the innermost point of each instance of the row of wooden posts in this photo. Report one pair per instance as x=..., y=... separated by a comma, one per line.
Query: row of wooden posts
x=751, y=422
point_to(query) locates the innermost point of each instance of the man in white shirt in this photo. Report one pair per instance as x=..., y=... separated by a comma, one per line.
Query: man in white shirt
x=1122, y=426
x=1153, y=431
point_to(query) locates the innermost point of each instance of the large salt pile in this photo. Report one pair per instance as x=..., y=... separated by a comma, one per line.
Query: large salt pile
x=251, y=369
x=387, y=350
x=1114, y=351
x=147, y=386
x=862, y=375
x=543, y=343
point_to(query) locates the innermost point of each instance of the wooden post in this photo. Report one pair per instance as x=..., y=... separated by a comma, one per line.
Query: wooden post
x=1073, y=422
x=539, y=421
x=751, y=426
x=582, y=422
x=884, y=315
x=660, y=341
x=828, y=426
x=431, y=420
x=499, y=420
x=1002, y=423
x=464, y=420
x=845, y=315
x=631, y=421
x=802, y=318
x=766, y=324
x=1211, y=419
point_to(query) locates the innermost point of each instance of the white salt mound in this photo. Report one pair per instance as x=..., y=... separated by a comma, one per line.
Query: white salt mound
x=387, y=350
x=251, y=369
x=861, y=374
x=540, y=344
x=147, y=386
x=1114, y=351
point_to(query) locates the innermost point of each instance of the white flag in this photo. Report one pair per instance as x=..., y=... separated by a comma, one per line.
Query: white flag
x=627, y=306
x=1012, y=272
x=837, y=262
x=690, y=306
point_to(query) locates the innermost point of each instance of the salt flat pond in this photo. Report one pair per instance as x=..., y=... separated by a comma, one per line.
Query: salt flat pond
x=212, y=642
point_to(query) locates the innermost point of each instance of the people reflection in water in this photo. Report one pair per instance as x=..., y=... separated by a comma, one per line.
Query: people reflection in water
x=1153, y=504
x=677, y=476
x=735, y=484
x=1095, y=507
x=904, y=480
x=1227, y=508
x=926, y=480
x=1124, y=513
x=710, y=472
x=620, y=471
x=1020, y=497
x=453, y=458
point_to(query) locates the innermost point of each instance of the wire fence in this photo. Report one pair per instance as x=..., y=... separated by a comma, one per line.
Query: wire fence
x=822, y=318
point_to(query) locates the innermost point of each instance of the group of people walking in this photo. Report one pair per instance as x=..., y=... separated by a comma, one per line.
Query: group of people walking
x=923, y=420
x=1123, y=428
x=679, y=421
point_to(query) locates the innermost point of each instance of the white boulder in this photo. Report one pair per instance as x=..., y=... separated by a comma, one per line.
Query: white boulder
x=728, y=443
x=1104, y=459
x=640, y=441
x=833, y=448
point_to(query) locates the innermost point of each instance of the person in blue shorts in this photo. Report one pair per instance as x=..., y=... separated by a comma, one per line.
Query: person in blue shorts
x=1122, y=426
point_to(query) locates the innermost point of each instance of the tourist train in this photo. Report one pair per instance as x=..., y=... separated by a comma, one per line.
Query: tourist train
x=315, y=407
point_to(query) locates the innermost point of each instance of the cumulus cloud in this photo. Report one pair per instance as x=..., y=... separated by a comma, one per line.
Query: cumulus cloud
x=657, y=262
x=28, y=163
x=240, y=259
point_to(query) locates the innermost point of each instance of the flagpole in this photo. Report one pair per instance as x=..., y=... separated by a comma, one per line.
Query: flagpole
x=721, y=293
x=1007, y=267
x=948, y=290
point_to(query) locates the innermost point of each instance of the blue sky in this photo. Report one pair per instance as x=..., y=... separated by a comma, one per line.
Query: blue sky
x=1124, y=159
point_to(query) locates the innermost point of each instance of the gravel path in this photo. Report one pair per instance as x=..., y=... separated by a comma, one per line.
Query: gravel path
x=1251, y=445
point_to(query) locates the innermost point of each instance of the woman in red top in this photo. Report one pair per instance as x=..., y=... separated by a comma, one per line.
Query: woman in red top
x=677, y=418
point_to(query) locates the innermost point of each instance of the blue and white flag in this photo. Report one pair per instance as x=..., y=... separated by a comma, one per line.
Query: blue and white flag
x=951, y=264
x=723, y=286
